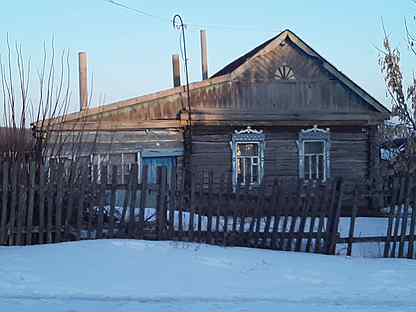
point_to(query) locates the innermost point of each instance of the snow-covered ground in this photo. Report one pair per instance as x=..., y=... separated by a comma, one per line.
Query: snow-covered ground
x=132, y=275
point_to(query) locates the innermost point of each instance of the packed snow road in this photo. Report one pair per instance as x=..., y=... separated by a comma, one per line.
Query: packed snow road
x=131, y=275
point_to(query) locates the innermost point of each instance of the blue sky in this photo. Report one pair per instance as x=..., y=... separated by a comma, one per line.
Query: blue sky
x=130, y=54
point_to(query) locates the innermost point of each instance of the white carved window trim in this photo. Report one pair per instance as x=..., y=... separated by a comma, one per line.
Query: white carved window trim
x=314, y=135
x=247, y=136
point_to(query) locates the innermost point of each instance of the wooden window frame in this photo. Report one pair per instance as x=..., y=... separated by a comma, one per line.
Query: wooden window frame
x=240, y=158
x=247, y=136
x=314, y=135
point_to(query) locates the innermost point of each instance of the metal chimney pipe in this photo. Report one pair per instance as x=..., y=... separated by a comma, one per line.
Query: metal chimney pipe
x=176, y=70
x=204, y=55
x=83, y=80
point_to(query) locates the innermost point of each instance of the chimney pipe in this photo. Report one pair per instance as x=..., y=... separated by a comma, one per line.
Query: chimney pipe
x=204, y=55
x=83, y=81
x=176, y=70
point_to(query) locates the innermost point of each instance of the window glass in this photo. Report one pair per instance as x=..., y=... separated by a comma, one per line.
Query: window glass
x=248, y=163
x=128, y=160
x=314, y=160
x=314, y=147
x=247, y=149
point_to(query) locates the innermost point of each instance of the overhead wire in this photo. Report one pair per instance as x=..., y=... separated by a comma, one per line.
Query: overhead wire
x=193, y=25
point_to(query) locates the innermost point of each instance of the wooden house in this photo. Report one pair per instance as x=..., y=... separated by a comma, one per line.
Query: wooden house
x=280, y=110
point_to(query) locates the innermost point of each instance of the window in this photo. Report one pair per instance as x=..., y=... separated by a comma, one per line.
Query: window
x=314, y=145
x=123, y=161
x=247, y=157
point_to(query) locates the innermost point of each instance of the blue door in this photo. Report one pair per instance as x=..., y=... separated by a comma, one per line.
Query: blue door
x=153, y=163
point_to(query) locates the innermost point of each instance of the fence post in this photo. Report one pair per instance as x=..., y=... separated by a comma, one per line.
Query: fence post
x=161, y=202
x=333, y=229
x=133, y=201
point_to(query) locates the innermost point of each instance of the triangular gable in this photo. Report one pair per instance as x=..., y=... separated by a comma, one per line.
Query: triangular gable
x=235, y=68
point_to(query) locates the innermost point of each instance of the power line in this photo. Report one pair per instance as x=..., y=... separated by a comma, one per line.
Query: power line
x=193, y=25
x=141, y=12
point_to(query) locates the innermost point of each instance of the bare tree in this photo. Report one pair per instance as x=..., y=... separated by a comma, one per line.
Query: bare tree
x=403, y=100
x=21, y=108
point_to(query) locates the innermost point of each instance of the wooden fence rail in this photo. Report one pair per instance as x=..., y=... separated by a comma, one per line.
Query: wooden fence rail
x=48, y=205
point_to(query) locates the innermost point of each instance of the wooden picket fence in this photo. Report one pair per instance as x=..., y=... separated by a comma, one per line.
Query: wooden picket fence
x=60, y=203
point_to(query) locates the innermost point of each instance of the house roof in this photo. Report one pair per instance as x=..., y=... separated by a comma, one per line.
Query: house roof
x=245, y=59
x=229, y=73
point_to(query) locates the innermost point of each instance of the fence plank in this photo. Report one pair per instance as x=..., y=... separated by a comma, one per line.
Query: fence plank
x=305, y=207
x=143, y=199
x=29, y=223
x=392, y=206
x=209, y=211
x=259, y=214
x=126, y=203
x=322, y=211
x=235, y=208
x=161, y=202
x=285, y=214
x=101, y=201
x=192, y=201
x=71, y=195
x=173, y=204
x=312, y=215
x=276, y=209
x=352, y=220
x=22, y=196
x=294, y=217
x=405, y=216
x=83, y=176
x=14, y=174
x=41, y=204
x=59, y=202
x=113, y=194
x=268, y=214
x=184, y=201
x=397, y=216
x=4, y=202
x=252, y=216
x=219, y=205
x=50, y=200
x=201, y=203
x=131, y=229
x=412, y=205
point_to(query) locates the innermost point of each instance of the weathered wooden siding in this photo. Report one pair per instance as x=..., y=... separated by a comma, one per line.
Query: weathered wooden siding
x=119, y=141
x=349, y=151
